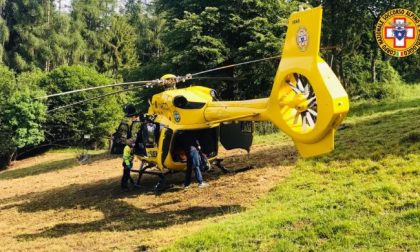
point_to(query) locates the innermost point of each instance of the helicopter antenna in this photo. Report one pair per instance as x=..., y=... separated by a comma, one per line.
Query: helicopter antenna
x=98, y=87
x=93, y=98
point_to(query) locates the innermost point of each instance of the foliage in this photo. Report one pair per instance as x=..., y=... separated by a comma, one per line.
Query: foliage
x=119, y=51
x=146, y=39
x=39, y=36
x=356, y=71
x=348, y=29
x=202, y=37
x=97, y=117
x=377, y=90
x=21, y=115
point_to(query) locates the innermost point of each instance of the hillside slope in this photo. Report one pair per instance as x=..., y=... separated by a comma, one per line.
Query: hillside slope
x=363, y=196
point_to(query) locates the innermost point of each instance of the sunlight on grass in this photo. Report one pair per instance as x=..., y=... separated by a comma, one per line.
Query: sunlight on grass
x=362, y=196
x=51, y=166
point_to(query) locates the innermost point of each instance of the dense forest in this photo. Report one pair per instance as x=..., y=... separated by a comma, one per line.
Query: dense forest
x=47, y=46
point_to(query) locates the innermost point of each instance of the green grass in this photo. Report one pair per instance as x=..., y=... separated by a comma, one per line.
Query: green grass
x=363, y=196
x=76, y=150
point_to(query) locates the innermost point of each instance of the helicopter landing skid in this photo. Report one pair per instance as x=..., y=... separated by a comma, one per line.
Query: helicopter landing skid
x=161, y=184
x=218, y=163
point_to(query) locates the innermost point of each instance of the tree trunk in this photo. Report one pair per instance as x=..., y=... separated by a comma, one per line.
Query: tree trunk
x=341, y=71
x=5, y=160
x=373, y=66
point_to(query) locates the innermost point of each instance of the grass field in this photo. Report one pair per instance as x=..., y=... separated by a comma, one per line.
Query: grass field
x=363, y=196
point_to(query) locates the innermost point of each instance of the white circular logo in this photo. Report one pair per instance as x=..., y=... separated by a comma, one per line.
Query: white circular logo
x=397, y=32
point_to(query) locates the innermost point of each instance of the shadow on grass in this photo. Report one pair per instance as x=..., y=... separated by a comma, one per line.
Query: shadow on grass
x=50, y=166
x=396, y=134
x=106, y=196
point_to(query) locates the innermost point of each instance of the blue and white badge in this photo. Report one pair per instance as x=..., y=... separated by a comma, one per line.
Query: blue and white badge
x=302, y=38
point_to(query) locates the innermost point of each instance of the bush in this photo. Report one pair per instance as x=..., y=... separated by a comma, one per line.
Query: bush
x=357, y=74
x=356, y=70
x=386, y=73
x=21, y=115
x=96, y=118
x=377, y=90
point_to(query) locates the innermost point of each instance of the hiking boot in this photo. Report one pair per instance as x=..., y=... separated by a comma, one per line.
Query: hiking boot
x=203, y=185
x=186, y=187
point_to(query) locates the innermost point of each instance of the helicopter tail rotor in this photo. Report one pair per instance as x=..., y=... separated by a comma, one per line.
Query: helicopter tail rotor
x=307, y=101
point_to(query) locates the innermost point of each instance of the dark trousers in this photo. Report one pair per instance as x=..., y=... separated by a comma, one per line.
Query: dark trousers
x=193, y=164
x=126, y=176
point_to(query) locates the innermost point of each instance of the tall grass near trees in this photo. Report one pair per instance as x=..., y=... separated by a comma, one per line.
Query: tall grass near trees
x=363, y=196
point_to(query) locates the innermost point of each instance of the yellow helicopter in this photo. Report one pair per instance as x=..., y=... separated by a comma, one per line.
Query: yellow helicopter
x=307, y=102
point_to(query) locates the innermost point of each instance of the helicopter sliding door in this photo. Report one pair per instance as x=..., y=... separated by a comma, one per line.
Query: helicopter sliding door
x=237, y=135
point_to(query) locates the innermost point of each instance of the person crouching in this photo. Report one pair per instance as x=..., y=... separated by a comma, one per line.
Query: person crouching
x=128, y=158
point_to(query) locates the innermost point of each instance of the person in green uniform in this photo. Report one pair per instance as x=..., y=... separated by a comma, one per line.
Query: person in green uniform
x=127, y=164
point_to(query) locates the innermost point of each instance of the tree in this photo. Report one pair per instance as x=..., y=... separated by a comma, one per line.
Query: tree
x=92, y=19
x=348, y=30
x=29, y=23
x=21, y=115
x=150, y=27
x=202, y=37
x=97, y=117
x=4, y=30
x=120, y=51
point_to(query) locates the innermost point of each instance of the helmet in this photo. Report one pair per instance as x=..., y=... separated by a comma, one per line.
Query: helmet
x=129, y=110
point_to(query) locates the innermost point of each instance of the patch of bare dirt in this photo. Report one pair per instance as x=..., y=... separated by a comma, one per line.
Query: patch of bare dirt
x=82, y=207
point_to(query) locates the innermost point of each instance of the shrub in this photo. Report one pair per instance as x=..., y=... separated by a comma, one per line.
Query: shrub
x=377, y=90
x=96, y=118
x=356, y=70
x=357, y=74
x=386, y=73
x=21, y=115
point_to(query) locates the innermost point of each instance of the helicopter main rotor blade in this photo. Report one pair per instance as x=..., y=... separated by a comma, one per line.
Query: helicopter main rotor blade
x=234, y=65
x=93, y=98
x=219, y=78
x=179, y=78
x=99, y=87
